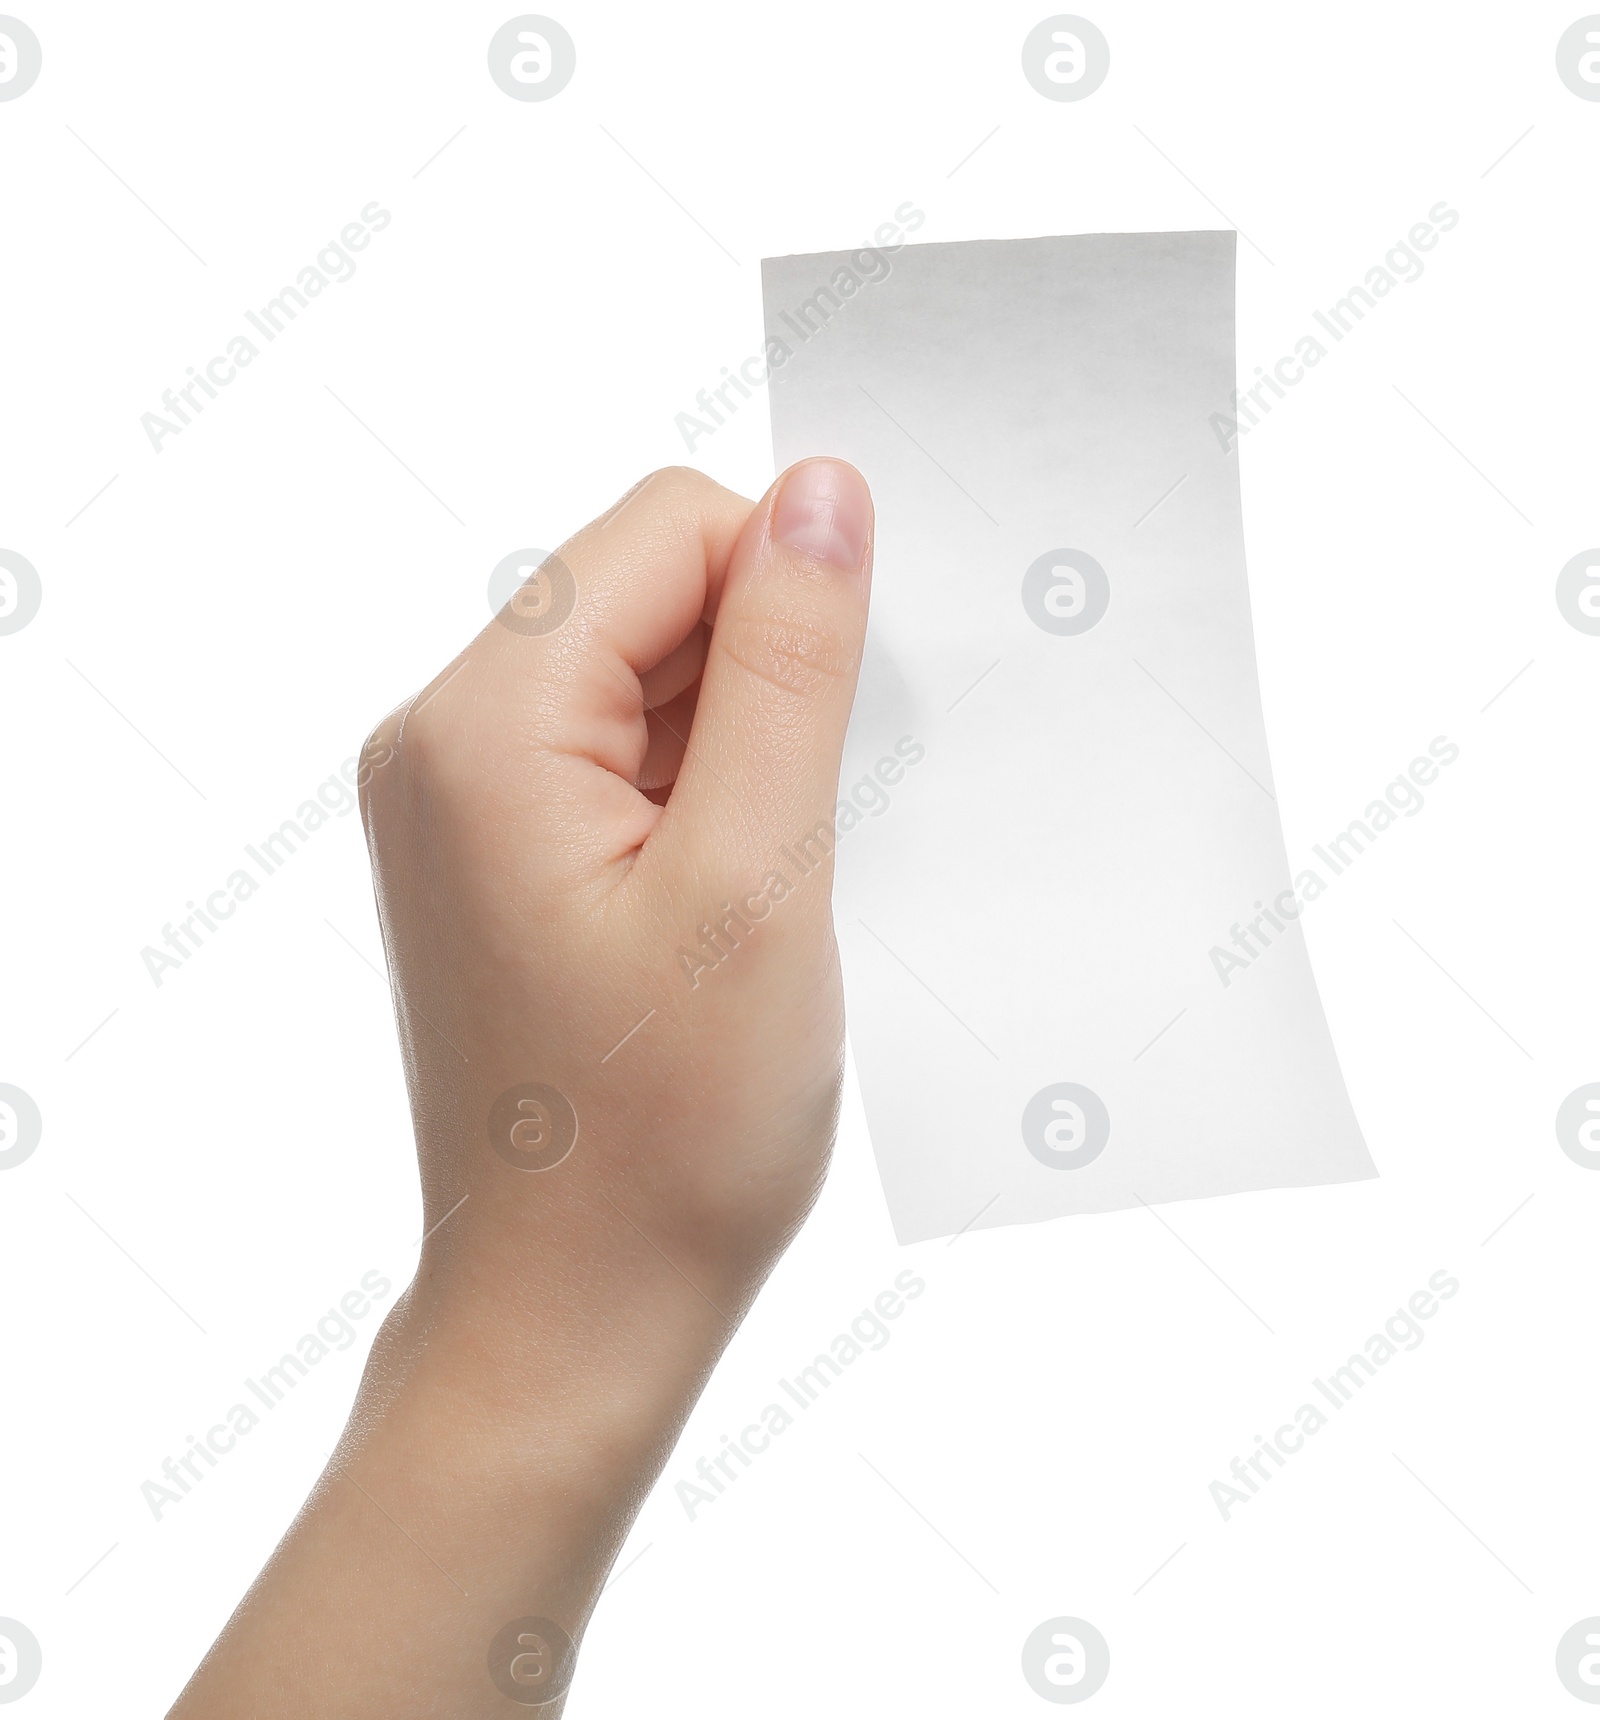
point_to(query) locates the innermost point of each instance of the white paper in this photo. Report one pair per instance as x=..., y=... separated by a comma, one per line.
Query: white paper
x=1030, y=912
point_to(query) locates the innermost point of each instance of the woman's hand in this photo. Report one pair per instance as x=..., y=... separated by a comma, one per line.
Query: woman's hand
x=602, y=843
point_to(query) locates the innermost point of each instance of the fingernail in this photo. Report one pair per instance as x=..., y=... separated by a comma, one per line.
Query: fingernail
x=824, y=511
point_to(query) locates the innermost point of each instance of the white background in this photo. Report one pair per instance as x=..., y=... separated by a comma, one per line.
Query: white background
x=522, y=336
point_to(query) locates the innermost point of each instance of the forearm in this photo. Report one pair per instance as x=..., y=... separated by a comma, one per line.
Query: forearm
x=496, y=1455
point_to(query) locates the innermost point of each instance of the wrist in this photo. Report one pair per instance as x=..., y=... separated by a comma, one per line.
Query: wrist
x=534, y=1391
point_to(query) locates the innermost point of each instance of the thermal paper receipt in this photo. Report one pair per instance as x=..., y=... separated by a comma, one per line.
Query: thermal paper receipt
x=1075, y=975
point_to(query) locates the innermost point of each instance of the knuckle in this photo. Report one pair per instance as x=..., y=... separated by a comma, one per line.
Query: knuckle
x=375, y=762
x=670, y=489
x=666, y=491
x=433, y=750
x=406, y=755
x=680, y=480
x=667, y=521
x=795, y=652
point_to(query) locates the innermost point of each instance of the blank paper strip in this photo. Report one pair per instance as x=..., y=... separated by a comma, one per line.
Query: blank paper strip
x=1075, y=977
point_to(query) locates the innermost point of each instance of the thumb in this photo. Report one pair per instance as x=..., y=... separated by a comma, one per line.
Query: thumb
x=762, y=766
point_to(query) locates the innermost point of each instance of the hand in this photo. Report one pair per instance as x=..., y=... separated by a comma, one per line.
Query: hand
x=601, y=840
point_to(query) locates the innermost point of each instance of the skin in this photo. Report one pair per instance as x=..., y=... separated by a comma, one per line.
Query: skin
x=550, y=822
